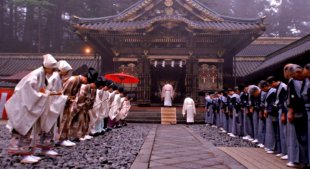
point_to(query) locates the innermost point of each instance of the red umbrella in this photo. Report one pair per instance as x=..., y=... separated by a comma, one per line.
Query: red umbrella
x=122, y=78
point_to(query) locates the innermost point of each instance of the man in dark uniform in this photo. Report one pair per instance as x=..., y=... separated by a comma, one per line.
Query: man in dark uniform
x=233, y=108
x=247, y=117
x=224, y=111
x=216, y=110
x=297, y=113
x=261, y=118
x=272, y=140
x=255, y=95
x=306, y=97
x=280, y=105
x=242, y=108
x=209, y=108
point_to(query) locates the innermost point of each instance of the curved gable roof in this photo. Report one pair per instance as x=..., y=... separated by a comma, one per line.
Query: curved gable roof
x=210, y=26
x=144, y=5
x=284, y=54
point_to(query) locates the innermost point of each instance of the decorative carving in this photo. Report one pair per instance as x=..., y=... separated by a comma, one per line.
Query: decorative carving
x=170, y=25
x=145, y=52
x=169, y=11
x=116, y=53
x=188, y=7
x=168, y=3
x=130, y=69
x=208, y=77
x=149, y=7
x=190, y=53
x=220, y=53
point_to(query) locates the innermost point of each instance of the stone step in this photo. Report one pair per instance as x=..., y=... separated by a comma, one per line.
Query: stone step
x=158, y=116
x=149, y=119
x=153, y=115
x=159, y=121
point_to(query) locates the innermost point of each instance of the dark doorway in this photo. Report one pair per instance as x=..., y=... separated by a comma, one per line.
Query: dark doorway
x=174, y=75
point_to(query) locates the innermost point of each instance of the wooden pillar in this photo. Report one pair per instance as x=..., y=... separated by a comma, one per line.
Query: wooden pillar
x=188, y=77
x=144, y=86
x=106, y=63
x=220, y=76
x=195, y=79
x=191, y=81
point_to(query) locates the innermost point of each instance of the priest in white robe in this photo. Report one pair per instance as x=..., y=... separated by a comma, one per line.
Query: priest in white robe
x=48, y=121
x=189, y=110
x=99, y=109
x=167, y=94
x=119, y=115
x=26, y=106
x=125, y=109
x=115, y=106
x=110, y=92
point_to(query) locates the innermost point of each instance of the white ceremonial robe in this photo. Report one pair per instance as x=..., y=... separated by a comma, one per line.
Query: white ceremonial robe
x=27, y=104
x=100, y=105
x=119, y=115
x=167, y=94
x=56, y=103
x=115, y=106
x=105, y=105
x=189, y=109
x=125, y=109
x=110, y=101
x=94, y=112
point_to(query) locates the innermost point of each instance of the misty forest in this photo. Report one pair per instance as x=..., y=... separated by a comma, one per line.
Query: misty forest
x=31, y=26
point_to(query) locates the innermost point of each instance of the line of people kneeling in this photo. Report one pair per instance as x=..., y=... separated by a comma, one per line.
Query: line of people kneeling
x=51, y=107
x=273, y=115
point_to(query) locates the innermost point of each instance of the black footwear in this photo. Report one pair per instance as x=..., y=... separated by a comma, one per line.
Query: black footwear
x=76, y=140
x=101, y=133
x=108, y=129
x=93, y=134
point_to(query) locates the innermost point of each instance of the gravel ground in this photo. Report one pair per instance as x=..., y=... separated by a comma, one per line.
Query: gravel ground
x=219, y=139
x=116, y=149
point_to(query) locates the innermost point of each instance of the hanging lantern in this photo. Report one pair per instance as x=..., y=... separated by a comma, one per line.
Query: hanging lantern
x=172, y=63
x=181, y=64
x=163, y=64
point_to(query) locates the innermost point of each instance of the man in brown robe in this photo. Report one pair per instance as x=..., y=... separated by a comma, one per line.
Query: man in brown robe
x=81, y=118
x=71, y=89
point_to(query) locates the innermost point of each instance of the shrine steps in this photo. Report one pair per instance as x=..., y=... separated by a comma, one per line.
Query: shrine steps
x=152, y=114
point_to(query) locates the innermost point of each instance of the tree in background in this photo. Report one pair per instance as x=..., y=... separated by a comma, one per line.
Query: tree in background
x=43, y=25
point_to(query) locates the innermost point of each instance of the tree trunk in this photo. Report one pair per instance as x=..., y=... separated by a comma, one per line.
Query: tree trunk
x=10, y=21
x=39, y=29
x=58, y=38
x=27, y=36
x=2, y=6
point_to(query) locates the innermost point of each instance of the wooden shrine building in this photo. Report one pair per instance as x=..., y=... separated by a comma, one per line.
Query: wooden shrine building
x=178, y=41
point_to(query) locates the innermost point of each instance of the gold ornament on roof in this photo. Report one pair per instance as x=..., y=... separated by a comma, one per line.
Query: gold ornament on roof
x=168, y=3
x=169, y=11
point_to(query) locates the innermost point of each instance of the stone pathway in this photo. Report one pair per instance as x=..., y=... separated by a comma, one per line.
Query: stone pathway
x=176, y=146
x=255, y=158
